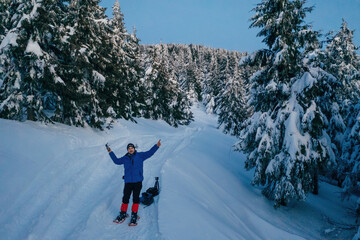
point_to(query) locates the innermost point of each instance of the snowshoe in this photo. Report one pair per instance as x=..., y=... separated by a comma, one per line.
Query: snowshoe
x=121, y=218
x=133, y=220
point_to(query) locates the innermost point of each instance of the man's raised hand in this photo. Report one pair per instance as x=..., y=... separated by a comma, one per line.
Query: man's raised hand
x=159, y=143
x=108, y=148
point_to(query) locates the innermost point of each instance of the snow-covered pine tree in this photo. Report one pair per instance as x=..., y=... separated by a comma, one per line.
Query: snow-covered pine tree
x=341, y=60
x=233, y=65
x=349, y=166
x=166, y=100
x=135, y=74
x=193, y=86
x=193, y=72
x=285, y=137
x=27, y=54
x=233, y=109
x=232, y=106
x=117, y=22
x=222, y=65
x=121, y=89
x=184, y=60
x=90, y=48
x=220, y=78
x=180, y=103
x=350, y=161
x=211, y=72
x=113, y=94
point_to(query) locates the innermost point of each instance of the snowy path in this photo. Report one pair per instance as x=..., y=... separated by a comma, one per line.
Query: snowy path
x=68, y=188
x=58, y=182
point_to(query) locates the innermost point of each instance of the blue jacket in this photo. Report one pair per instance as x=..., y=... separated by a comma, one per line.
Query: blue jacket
x=133, y=164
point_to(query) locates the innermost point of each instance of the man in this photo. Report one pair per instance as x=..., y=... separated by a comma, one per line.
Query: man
x=133, y=165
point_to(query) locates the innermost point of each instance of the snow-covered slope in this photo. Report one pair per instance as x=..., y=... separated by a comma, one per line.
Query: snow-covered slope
x=58, y=182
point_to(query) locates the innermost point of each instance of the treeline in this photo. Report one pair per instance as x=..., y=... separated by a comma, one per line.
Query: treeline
x=65, y=61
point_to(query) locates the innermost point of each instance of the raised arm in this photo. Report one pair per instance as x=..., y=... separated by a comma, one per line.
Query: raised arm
x=146, y=155
x=117, y=161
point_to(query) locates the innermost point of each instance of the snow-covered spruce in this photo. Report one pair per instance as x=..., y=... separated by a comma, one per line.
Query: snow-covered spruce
x=341, y=60
x=165, y=99
x=286, y=136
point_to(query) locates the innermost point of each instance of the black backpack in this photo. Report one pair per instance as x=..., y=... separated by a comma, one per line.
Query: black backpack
x=147, y=198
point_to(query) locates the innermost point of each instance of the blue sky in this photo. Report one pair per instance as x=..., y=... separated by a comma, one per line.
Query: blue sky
x=220, y=23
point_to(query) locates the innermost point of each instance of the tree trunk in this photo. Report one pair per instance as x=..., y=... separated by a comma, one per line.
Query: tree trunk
x=30, y=114
x=316, y=182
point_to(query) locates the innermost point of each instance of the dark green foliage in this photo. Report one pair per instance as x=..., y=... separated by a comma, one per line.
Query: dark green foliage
x=67, y=62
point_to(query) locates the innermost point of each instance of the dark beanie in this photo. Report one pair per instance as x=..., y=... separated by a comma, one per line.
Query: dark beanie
x=130, y=145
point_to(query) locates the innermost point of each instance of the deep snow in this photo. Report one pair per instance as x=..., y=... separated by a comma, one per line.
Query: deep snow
x=58, y=182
